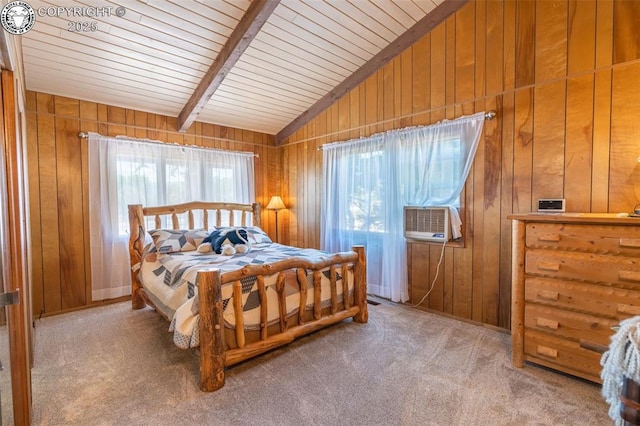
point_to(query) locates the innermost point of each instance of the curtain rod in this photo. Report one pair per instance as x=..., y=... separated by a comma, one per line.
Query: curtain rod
x=489, y=115
x=85, y=135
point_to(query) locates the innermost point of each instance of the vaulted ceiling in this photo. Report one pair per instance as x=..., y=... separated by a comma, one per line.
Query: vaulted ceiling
x=262, y=65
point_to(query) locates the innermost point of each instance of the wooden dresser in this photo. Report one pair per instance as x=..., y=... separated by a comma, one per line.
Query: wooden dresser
x=575, y=275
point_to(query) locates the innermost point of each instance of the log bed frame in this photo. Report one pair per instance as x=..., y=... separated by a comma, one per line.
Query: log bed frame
x=213, y=356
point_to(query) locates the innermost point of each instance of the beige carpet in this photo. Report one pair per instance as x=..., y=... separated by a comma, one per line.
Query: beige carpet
x=114, y=366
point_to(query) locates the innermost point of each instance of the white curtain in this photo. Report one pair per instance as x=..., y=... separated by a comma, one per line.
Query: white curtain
x=126, y=171
x=368, y=181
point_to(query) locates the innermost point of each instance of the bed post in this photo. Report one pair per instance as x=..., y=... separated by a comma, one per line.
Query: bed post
x=360, y=284
x=256, y=214
x=136, y=246
x=212, y=355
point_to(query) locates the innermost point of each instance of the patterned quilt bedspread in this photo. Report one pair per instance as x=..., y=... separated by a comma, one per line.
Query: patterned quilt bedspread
x=170, y=281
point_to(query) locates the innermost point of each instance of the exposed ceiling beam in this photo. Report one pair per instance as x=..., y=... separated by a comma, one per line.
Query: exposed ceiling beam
x=419, y=29
x=248, y=27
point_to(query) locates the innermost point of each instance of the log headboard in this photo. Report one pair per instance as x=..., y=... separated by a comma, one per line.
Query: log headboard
x=139, y=216
x=228, y=211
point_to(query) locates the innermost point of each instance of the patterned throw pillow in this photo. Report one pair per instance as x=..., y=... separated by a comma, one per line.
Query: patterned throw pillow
x=257, y=235
x=174, y=240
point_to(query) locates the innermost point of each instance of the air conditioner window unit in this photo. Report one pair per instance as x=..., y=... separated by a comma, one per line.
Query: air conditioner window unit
x=427, y=223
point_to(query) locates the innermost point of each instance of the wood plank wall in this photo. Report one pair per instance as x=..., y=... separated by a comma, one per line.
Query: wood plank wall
x=58, y=184
x=564, y=76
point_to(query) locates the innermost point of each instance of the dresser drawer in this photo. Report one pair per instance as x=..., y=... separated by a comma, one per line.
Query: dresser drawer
x=588, y=329
x=561, y=354
x=613, y=303
x=619, y=239
x=592, y=267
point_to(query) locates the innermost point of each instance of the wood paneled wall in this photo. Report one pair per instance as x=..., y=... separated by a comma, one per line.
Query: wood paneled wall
x=58, y=184
x=564, y=77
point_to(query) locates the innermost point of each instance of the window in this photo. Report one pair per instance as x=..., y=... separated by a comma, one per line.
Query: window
x=124, y=171
x=132, y=177
x=433, y=171
x=438, y=177
x=368, y=181
x=170, y=176
x=366, y=194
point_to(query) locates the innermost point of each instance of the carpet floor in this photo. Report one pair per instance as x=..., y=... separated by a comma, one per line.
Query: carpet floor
x=111, y=365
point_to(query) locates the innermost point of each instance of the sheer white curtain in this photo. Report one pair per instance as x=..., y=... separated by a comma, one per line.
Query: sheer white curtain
x=126, y=171
x=368, y=181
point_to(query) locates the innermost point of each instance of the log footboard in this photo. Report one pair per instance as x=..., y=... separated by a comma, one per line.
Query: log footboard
x=213, y=356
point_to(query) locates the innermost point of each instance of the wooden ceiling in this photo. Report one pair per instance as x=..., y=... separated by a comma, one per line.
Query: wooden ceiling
x=266, y=65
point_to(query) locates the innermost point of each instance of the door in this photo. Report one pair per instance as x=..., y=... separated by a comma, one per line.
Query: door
x=14, y=260
x=6, y=399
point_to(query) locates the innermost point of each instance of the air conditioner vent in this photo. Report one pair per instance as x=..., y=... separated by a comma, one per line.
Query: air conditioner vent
x=426, y=223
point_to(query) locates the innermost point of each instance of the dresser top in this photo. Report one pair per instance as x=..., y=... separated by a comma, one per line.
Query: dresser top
x=603, y=218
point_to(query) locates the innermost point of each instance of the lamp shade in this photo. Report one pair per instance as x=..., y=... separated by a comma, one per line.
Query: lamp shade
x=276, y=204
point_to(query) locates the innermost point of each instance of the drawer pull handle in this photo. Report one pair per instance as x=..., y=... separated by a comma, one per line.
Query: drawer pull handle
x=548, y=295
x=546, y=351
x=628, y=309
x=547, y=323
x=549, y=266
x=592, y=346
x=630, y=242
x=552, y=238
x=629, y=276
